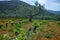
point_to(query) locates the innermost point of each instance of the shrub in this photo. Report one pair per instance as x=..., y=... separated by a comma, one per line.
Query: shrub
x=58, y=25
x=47, y=35
x=1, y=37
x=22, y=35
x=1, y=26
x=6, y=37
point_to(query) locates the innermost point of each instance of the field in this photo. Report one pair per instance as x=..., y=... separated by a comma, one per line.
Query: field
x=22, y=29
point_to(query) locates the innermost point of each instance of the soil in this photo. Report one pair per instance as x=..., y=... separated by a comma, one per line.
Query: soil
x=53, y=26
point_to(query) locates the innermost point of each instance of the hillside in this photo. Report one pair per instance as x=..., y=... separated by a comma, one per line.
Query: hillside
x=21, y=9
x=11, y=4
x=13, y=9
x=55, y=12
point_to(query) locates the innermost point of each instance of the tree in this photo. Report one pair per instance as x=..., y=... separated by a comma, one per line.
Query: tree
x=34, y=11
x=36, y=4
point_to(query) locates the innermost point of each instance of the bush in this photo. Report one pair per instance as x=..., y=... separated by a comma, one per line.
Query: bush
x=47, y=35
x=6, y=37
x=58, y=25
x=1, y=37
x=1, y=26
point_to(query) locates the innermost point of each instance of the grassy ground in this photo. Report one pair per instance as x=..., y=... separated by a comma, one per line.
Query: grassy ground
x=18, y=29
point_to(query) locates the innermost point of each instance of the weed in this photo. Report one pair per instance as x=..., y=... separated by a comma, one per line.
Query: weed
x=1, y=26
x=1, y=37
x=47, y=35
x=6, y=37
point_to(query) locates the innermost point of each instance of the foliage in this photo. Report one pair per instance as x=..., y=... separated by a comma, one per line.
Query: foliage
x=47, y=35
x=37, y=27
x=58, y=24
x=1, y=37
x=6, y=37
x=21, y=35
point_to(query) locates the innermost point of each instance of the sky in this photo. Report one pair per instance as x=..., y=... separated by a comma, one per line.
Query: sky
x=53, y=5
x=48, y=4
